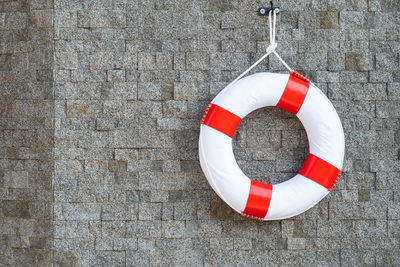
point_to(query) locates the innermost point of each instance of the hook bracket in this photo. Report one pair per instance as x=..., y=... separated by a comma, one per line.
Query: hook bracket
x=264, y=11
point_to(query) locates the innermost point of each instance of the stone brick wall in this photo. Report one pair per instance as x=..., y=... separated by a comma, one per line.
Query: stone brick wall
x=100, y=108
x=26, y=132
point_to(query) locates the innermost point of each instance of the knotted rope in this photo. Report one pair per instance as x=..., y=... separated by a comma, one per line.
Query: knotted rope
x=270, y=49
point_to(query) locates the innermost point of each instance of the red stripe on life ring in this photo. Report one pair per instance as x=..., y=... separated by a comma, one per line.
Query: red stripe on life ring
x=258, y=202
x=320, y=171
x=221, y=119
x=295, y=92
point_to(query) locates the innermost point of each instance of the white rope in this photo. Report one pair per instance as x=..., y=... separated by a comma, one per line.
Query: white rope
x=270, y=49
x=282, y=61
x=272, y=28
x=272, y=33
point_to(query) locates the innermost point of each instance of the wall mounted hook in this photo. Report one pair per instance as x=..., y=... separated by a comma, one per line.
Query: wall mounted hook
x=264, y=11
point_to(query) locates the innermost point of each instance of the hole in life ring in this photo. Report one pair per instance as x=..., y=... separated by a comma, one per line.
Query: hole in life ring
x=270, y=145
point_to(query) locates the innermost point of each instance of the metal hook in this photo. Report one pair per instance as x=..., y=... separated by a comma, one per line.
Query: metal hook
x=264, y=11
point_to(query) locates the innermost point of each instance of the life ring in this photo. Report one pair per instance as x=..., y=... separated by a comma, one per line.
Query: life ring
x=321, y=170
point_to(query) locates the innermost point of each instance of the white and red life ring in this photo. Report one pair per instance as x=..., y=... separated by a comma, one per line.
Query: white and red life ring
x=321, y=169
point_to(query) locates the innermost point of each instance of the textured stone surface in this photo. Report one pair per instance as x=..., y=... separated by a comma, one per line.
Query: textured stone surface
x=100, y=103
x=27, y=133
